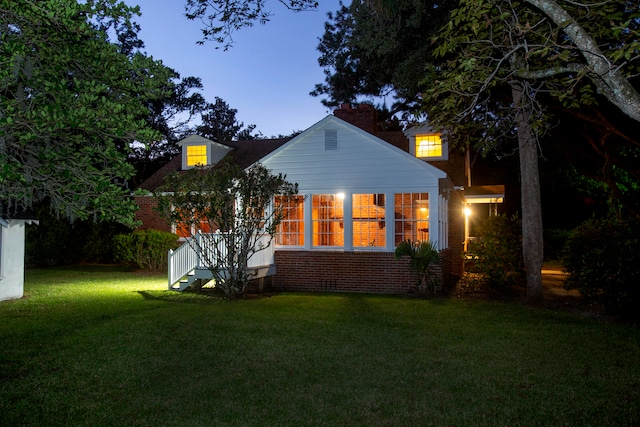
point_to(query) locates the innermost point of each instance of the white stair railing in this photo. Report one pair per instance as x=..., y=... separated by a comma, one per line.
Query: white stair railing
x=185, y=258
x=181, y=262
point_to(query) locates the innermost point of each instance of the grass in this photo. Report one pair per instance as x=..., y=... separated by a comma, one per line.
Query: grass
x=102, y=346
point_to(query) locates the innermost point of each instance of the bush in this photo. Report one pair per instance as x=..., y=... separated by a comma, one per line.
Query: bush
x=145, y=249
x=497, y=250
x=56, y=241
x=554, y=241
x=602, y=261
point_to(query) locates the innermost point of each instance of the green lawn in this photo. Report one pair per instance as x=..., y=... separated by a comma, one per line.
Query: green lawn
x=99, y=346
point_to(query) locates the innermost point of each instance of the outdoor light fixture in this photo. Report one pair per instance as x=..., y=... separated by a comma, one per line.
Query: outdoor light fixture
x=340, y=196
x=467, y=211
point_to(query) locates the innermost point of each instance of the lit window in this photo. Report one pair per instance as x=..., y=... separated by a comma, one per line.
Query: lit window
x=411, y=217
x=290, y=231
x=327, y=220
x=428, y=146
x=369, y=227
x=196, y=155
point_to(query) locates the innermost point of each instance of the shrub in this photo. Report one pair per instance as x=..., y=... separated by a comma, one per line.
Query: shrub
x=602, y=261
x=145, y=249
x=497, y=250
x=56, y=241
x=421, y=256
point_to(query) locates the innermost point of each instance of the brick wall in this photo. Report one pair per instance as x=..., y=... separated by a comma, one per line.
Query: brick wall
x=336, y=271
x=149, y=217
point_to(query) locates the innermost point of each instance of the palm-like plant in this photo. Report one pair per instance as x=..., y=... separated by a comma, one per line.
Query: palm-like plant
x=421, y=256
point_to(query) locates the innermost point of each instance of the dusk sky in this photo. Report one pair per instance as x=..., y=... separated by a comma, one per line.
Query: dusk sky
x=268, y=73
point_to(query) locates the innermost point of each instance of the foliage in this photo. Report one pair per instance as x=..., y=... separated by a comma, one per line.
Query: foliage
x=219, y=123
x=221, y=18
x=235, y=203
x=358, y=62
x=422, y=256
x=57, y=241
x=497, y=251
x=601, y=257
x=68, y=107
x=145, y=249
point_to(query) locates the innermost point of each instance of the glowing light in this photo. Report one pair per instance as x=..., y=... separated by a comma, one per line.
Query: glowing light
x=467, y=211
x=340, y=196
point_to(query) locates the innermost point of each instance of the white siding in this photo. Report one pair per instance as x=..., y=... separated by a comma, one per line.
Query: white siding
x=361, y=163
x=12, y=260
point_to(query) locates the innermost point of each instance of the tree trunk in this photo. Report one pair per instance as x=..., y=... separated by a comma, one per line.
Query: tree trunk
x=530, y=189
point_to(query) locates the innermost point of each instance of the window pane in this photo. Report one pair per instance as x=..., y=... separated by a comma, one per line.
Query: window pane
x=369, y=227
x=196, y=155
x=290, y=232
x=327, y=220
x=428, y=146
x=411, y=217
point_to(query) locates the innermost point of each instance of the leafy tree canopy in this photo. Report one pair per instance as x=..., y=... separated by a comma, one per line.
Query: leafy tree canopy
x=219, y=123
x=69, y=106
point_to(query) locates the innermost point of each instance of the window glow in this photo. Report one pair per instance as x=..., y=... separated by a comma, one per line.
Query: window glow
x=369, y=226
x=428, y=145
x=327, y=219
x=290, y=231
x=196, y=155
x=411, y=217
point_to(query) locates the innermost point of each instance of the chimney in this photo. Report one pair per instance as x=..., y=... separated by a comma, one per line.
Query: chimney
x=364, y=116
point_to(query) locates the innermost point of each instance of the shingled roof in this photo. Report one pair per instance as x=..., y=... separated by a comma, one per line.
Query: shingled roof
x=243, y=153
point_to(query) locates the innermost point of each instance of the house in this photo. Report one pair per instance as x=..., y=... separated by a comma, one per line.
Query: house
x=361, y=193
x=12, y=244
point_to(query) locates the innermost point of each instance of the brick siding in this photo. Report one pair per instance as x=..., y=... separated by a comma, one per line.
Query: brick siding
x=149, y=217
x=336, y=271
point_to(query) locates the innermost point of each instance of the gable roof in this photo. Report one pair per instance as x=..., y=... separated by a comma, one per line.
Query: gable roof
x=360, y=160
x=244, y=154
x=247, y=152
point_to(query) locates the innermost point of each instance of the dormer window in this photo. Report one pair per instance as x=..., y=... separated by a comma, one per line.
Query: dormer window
x=196, y=155
x=200, y=151
x=428, y=146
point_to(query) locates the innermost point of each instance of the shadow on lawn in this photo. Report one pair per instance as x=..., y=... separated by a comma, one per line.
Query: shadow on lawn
x=181, y=297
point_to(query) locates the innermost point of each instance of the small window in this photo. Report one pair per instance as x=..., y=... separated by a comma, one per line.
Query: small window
x=428, y=146
x=196, y=155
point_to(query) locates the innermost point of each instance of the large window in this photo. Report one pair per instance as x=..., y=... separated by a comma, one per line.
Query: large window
x=327, y=219
x=428, y=146
x=369, y=227
x=290, y=232
x=196, y=155
x=411, y=217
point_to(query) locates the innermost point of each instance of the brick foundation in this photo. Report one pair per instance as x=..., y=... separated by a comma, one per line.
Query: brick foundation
x=336, y=271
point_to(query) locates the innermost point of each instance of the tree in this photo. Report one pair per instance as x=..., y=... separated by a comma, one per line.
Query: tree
x=219, y=123
x=237, y=205
x=359, y=62
x=170, y=113
x=532, y=51
x=67, y=108
x=221, y=18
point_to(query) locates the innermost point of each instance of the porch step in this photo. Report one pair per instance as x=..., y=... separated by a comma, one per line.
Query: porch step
x=206, y=275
